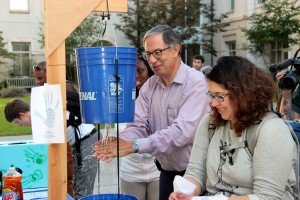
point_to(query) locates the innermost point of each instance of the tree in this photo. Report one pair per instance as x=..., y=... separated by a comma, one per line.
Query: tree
x=88, y=33
x=141, y=16
x=4, y=54
x=182, y=15
x=212, y=26
x=277, y=23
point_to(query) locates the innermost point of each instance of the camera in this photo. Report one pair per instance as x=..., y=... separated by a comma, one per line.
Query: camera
x=292, y=77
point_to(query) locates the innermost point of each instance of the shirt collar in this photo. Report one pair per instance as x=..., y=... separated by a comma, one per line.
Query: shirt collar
x=181, y=73
x=179, y=76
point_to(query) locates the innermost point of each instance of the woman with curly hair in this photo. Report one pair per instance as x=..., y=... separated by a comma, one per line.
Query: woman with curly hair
x=220, y=165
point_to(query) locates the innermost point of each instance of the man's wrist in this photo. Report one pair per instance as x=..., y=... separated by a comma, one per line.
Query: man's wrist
x=135, y=146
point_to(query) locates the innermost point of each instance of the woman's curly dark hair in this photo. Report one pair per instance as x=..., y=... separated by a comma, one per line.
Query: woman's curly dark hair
x=250, y=90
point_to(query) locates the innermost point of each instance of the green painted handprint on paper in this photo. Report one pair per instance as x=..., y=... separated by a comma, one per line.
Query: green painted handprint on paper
x=32, y=178
x=34, y=157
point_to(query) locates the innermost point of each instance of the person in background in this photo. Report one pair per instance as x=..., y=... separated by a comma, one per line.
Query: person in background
x=40, y=74
x=139, y=175
x=18, y=111
x=167, y=111
x=206, y=69
x=82, y=166
x=198, y=62
x=143, y=73
x=222, y=164
x=289, y=104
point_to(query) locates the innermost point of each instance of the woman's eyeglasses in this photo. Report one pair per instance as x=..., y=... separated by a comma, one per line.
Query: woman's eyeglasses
x=37, y=68
x=218, y=97
x=156, y=53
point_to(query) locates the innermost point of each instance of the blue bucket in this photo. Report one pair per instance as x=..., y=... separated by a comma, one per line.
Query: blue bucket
x=98, y=83
x=110, y=197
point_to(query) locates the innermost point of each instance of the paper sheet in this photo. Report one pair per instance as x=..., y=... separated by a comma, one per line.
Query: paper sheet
x=47, y=114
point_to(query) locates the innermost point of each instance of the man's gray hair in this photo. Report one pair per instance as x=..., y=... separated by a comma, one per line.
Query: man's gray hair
x=42, y=65
x=170, y=37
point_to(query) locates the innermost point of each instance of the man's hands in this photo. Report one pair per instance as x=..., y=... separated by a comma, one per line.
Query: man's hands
x=107, y=148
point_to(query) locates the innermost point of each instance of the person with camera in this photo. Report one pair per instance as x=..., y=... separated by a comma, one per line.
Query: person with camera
x=289, y=103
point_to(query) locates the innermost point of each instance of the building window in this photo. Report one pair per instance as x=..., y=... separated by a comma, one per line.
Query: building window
x=230, y=48
x=21, y=63
x=230, y=5
x=279, y=52
x=260, y=1
x=19, y=6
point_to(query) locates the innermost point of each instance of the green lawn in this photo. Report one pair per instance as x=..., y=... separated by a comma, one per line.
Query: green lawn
x=6, y=128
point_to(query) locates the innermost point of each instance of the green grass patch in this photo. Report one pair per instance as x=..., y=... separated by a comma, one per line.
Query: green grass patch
x=11, y=129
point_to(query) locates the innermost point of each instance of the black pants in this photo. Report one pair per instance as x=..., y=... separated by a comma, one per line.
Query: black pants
x=166, y=181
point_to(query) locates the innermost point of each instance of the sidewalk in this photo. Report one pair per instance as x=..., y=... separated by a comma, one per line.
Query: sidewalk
x=15, y=138
x=107, y=179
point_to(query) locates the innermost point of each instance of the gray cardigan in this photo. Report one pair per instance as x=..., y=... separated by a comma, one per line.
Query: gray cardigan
x=263, y=176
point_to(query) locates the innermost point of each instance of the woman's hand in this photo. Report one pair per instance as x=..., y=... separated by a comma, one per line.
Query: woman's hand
x=179, y=196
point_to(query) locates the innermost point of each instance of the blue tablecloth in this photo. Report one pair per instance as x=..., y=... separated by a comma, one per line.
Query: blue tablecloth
x=37, y=194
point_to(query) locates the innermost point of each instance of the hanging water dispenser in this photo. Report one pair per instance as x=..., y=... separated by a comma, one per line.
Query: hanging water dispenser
x=106, y=77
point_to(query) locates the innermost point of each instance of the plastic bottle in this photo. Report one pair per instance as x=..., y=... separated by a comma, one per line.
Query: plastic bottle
x=12, y=187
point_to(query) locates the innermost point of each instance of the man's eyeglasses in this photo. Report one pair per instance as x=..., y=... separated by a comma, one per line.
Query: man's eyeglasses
x=218, y=97
x=156, y=53
x=37, y=68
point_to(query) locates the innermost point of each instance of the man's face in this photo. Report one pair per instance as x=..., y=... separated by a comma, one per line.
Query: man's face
x=165, y=65
x=23, y=120
x=40, y=76
x=197, y=64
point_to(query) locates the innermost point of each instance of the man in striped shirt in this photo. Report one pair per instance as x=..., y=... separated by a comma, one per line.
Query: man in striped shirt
x=168, y=110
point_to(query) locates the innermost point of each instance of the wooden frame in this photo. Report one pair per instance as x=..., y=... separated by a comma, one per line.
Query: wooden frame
x=61, y=18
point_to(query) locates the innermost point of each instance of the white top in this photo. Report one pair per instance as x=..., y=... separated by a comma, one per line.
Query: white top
x=138, y=167
x=84, y=129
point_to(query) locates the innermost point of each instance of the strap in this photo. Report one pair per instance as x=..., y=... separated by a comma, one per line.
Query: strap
x=252, y=138
x=77, y=146
x=211, y=128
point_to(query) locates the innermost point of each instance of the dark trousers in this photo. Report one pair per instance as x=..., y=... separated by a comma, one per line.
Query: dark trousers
x=70, y=171
x=166, y=181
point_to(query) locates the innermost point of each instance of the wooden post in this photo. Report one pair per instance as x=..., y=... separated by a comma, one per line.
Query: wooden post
x=61, y=17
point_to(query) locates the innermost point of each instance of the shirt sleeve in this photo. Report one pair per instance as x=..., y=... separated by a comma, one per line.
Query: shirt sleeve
x=197, y=163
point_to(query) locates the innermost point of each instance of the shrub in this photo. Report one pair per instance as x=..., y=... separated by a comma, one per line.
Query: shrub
x=3, y=84
x=13, y=92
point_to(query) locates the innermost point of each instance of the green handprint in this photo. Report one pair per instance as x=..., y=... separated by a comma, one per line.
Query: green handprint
x=32, y=178
x=35, y=157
